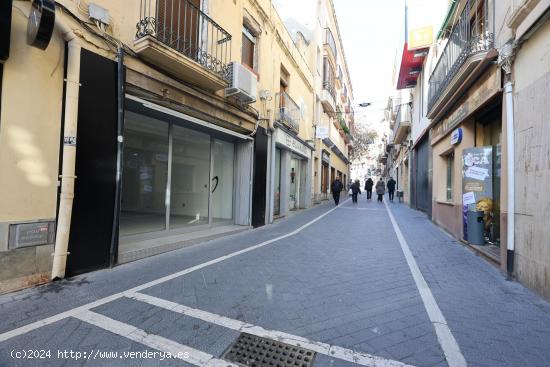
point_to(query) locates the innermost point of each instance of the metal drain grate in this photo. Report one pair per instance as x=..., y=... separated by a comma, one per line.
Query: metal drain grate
x=254, y=351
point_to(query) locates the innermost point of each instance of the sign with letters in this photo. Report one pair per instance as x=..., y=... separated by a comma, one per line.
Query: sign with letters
x=456, y=136
x=291, y=143
x=321, y=132
x=488, y=86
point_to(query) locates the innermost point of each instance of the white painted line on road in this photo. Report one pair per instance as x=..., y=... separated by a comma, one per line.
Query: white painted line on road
x=183, y=352
x=444, y=336
x=349, y=355
x=60, y=316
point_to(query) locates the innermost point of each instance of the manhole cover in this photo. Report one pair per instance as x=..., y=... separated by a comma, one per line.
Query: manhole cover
x=254, y=351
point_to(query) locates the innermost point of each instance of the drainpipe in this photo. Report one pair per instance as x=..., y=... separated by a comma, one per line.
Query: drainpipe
x=69, y=149
x=505, y=61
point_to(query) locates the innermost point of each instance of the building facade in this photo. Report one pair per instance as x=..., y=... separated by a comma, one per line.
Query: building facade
x=528, y=76
x=476, y=140
x=334, y=104
x=152, y=125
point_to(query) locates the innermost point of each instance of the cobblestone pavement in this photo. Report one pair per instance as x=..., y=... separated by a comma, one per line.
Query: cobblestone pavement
x=339, y=285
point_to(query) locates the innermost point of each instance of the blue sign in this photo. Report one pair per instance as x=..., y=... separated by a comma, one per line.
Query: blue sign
x=456, y=136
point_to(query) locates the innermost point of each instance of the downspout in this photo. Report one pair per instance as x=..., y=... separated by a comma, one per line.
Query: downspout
x=505, y=61
x=69, y=149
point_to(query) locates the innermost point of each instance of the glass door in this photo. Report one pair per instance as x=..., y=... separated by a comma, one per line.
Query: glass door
x=277, y=190
x=223, y=157
x=294, y=183
x=190, y=178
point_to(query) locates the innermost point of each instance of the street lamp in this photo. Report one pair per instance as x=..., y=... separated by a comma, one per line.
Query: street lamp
x=364, y=104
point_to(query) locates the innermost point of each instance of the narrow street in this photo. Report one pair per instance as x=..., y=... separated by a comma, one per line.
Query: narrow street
x=337, y=281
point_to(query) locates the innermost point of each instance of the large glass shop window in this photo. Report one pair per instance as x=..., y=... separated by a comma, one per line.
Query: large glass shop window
x=190, y=178
x=143, y=206
x=199, y=167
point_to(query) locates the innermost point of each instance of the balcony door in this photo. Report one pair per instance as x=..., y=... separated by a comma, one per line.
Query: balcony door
x=178, y=23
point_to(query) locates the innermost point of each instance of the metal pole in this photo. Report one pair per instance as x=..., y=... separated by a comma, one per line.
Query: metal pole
x=119, y=158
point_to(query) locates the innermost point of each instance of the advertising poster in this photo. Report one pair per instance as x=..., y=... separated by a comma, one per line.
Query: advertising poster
x=477, y=184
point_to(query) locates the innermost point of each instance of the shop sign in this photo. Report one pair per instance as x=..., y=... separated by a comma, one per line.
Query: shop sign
x=477, y=185
x=420, y=38
x=282, y=138
x=488, y=86
x=421, y=14
x=321, y=132
x=456, y=136
x=325, y=156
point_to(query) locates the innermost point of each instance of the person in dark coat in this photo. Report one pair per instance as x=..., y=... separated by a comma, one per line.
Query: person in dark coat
x=380, y=189
x=391, y=188
x=336, y=188
x=368, y=188
x=355, y=190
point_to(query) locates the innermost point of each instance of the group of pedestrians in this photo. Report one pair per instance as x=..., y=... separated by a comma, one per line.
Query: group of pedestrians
x=355, y=189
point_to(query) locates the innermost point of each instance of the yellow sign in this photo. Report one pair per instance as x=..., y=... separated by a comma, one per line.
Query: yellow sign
x=420, y=38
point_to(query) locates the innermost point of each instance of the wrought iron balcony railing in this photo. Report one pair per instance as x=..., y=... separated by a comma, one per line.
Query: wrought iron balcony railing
x=182, y=26
x=329, y=40
x=289, y=112
x=468, y=37
x=329, y=87
x=403, y=119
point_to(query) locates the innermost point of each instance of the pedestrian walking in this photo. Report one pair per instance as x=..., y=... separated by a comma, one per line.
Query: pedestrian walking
x=368, y=188
x=391, y=188
x=336, y=188
x=355, y=190
x=380, y=189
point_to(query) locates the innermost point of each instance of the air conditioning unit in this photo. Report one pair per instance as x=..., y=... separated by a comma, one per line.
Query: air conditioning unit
x=242, y=83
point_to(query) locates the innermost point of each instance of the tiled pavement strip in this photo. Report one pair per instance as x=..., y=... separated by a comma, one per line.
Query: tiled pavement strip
x=342, y=280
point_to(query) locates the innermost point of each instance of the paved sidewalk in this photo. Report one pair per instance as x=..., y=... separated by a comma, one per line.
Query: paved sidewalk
x=341, y=283
x=496, y=322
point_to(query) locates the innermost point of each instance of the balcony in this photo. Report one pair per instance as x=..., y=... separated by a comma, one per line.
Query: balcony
x=330, y=45
x=339, y=78
x=179, y=38
x=327, y=97
x=402, y=123
x=344, y=94
x=288, y=113
x=469, y=49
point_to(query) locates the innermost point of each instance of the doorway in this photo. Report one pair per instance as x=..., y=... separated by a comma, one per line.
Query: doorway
x=277, y=189
x=490, y=125
x=324, y=178
x=294, y=192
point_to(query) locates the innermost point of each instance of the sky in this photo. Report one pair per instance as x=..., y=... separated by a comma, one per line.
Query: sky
x=371, y=31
